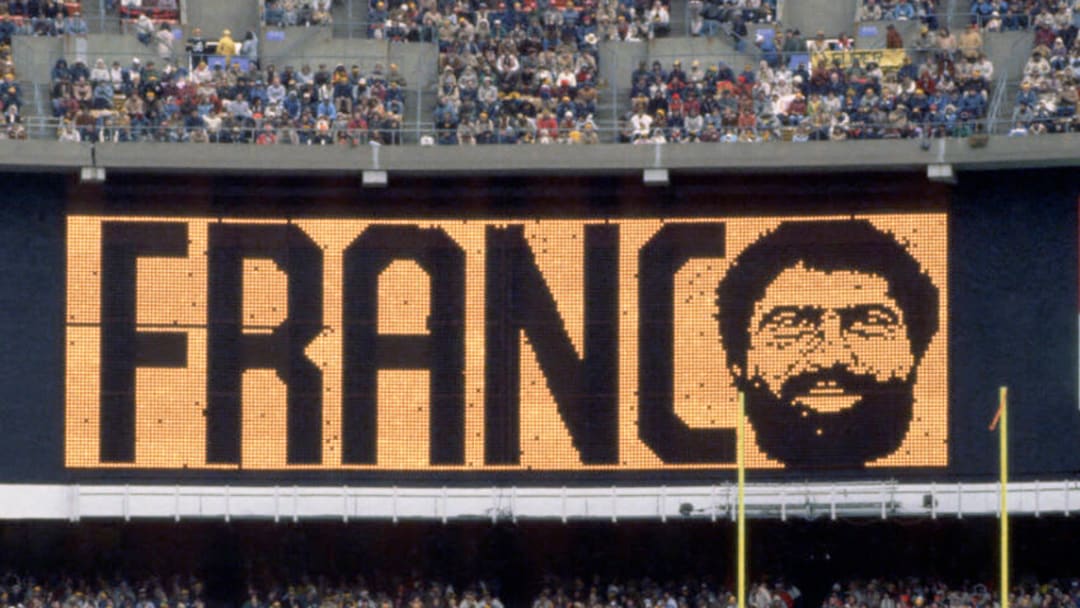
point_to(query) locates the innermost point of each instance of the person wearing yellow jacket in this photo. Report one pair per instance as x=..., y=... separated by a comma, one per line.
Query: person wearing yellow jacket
x=226, y=46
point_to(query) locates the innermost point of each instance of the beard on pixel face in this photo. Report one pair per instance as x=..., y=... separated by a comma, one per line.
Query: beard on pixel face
x=793, y=432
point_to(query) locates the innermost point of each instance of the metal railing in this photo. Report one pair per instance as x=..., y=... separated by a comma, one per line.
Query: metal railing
x=882, y=499
x=997, y=101
x=427, y=134
x=182, y=59
x=99, y=17
x=383, y=30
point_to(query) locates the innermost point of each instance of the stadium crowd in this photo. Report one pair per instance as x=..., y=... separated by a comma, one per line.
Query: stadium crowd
x=11, y=99
x=157, y=9
x=1050, y=88
x=22, y=591
x=289, y=13
x=647, y=593
x=931, y=593
x=518, y=76
x=60, y=17
x=147, y=102
x=1007, y=15
x=478, y=23
x=189, y=592
x=729, y=17
x=61, y=591
x=40, y=18
x=932, y=94
x=926, y=11
x=991, y=15
x=526, y=71
x=875, y=593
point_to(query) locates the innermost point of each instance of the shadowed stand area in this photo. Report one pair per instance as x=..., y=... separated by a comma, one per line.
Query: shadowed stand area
x=516, y=559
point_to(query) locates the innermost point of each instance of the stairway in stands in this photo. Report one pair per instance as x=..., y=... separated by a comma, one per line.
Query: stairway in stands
x=99, y=20
x=350, y=18
x=679, y=18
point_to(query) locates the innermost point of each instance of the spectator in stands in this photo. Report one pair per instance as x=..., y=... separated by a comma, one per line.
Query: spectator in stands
x=793, y=43
x=924, y=44
x=870, y=11
x=274, y=14
x=947, y=43
x=832, y=103
x=659, y=19
x=144, y=29
x=904, y=10
x=971, y=42
x=981, y=11
x=10, y=96
x=82, y=91
x=893, y=39
x=103, y=95
x=924, y=10
x=68, y=133
x=767, y=46
x=709, y=17
x=74, y=24
x=320, y=14
x=817, y=44
x=552, y=69
x=226, y=46
x=100, y=73
x=249, y=48
x=164, y=40
x=171, y=105
x=197, y=47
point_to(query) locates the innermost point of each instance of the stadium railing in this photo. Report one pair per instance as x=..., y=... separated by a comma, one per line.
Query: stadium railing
x=425, y=133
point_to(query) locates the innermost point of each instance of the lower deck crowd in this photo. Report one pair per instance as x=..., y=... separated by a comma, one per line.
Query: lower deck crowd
x=24, y=591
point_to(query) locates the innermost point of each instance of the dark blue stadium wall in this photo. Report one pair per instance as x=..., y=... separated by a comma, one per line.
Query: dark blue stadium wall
x=1012, y=289
x=32, y=334
x=1014, y=253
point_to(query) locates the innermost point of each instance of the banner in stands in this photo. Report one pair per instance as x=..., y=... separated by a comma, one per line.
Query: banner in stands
x=534, y=345
x=887, y=59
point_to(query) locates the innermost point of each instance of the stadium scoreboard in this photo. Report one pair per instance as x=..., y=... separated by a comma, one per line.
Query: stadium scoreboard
x=500, y=331
x=523, y=345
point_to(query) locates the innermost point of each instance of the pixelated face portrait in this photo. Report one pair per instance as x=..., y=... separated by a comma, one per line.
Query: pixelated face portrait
x=825, y=324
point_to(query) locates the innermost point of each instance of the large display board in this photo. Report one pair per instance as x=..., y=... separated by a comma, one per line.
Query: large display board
x=496, y=332
x=468, y=345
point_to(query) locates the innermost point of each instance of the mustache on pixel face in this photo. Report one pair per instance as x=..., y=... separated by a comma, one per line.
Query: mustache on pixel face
x=838, y=376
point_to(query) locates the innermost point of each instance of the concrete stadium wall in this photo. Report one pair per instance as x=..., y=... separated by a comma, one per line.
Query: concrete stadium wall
x=417, y=61
x=908, y=29
x=213, y=16
x=35, y=55
x=1009, y=51
x=833, y=16
x=618, y=60
x=906, y=155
